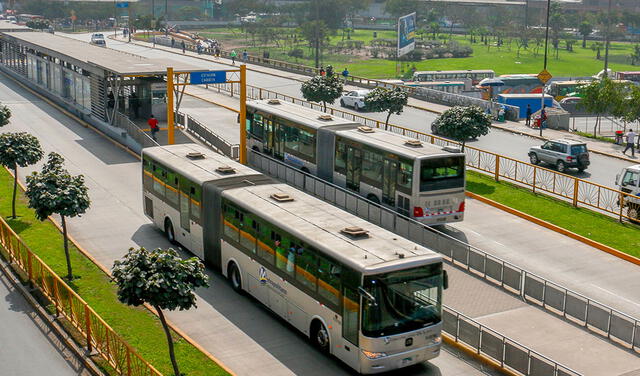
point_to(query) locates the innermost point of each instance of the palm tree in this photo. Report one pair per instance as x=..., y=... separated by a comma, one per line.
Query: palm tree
x=585, y=28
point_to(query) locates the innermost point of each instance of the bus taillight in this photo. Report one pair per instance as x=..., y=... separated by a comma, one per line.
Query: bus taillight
x=461, y=207
x=418, y=212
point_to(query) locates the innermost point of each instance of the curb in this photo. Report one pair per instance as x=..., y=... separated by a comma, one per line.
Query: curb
x=84, y=252
x=560, y=230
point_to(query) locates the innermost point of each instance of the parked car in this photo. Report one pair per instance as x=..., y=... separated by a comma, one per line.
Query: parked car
x=354, y=99
x=98, y=40
x=561, y=153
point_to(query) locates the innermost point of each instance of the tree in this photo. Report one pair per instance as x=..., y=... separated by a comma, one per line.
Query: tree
x=599, y=97
x=585, y=29
x=189, y=12
x=390, y=100
x=18, y=149
x=163, y=280
x=557, y=23
x=315, y=32
x=399, y=8
x=462, y=123
x=54, y=190
x=434, y=28
x=5, y=115
x=597, y=47
x=323, y=89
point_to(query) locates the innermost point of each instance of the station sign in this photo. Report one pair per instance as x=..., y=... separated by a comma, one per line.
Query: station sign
x=122, y=5
x=209, y=77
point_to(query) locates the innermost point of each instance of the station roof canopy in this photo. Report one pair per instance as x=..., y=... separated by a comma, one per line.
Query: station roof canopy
x=94, y=58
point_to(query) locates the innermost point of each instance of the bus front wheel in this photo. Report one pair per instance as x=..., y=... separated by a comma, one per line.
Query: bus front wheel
x=320, y=336
x=234, y=277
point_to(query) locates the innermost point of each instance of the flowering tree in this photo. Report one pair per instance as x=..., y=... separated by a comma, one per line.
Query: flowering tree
x=462, y=123
x=18, y=149
x=390, y=100
x=323, y=89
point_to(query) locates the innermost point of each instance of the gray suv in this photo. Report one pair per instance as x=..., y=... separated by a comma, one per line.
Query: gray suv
x=561, y=153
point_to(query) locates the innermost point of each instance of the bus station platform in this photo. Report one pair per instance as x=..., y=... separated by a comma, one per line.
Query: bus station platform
x=112, y=90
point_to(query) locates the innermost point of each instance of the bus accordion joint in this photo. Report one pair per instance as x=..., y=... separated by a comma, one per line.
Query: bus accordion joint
x=354, y=231
x=281, y=197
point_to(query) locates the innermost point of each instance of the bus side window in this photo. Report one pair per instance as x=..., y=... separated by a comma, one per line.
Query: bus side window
x=329, y=284
x=266, y=249
x=230, y=230
x=350, y=310
x=285, y=254
x=248, y=233
x=147, y=179
x=195, y=203
x=405, y=176
x=158, y=181
x=306, y=267
x=341, y=157
x=172, y=189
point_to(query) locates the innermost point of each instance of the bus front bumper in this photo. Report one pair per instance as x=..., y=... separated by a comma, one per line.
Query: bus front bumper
x=399, y=360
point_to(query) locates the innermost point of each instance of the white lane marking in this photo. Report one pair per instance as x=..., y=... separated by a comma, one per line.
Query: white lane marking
x=616, y=295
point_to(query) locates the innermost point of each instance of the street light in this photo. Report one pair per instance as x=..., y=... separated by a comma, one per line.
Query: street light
x=606, y=42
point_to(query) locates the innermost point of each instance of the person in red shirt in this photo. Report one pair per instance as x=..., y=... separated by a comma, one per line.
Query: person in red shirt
x=153, y=125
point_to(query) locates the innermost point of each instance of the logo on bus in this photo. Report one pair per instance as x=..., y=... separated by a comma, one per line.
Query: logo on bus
x=263, y=275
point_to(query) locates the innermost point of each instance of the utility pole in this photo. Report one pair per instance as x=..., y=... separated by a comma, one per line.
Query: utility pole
x=166, y=18
x=546, y=43
x=606, y=42
x=526, y=23
x=317, y=27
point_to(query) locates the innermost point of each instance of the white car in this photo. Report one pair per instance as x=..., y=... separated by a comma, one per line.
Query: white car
x=98, y=40
x=354, y=99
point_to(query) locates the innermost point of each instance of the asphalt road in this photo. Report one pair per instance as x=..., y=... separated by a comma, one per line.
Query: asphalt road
x=236, y=329
x=602, y=169
x=27, y=346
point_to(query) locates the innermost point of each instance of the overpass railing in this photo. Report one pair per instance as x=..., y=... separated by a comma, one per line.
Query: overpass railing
x=596, y=317
x=99, y=336
x=205, y=134
x=579, y=192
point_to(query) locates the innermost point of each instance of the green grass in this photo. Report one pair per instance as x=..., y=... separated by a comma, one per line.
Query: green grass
x=590, y=135
x=601, y=228
x=503, y=60
x=139, y=327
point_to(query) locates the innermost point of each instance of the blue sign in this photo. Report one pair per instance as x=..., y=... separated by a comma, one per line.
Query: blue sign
x=406, y=34
x=122, y=5
x=210, y=77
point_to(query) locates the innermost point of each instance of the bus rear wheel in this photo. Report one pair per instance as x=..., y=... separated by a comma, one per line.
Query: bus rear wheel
x=234, y=277
x=168, y=230
x=320, y=336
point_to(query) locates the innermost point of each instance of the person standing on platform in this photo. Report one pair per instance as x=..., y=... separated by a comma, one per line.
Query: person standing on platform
x=184, y=47
x=528, y=124
x=233, y=56
x=153, y=125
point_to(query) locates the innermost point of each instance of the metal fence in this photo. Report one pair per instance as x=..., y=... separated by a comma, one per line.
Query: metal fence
x=133, y=130
x=596, y=317
x=577, y=191
x=98, y=334
x=207, y=135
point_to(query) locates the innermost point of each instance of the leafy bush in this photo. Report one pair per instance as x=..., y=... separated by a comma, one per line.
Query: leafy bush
x=297, y=53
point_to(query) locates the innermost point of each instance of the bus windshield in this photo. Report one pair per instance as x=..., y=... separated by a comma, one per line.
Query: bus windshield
x=405, y=300
x=441, y=173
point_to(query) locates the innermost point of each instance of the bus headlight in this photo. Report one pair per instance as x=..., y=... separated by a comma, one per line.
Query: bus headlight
x=374, y=355
x=436, y=340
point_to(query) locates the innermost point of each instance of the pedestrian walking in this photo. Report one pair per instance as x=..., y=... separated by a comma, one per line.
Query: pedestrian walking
x=217, y=52
x=134, y=104
x=233, y=56
x=245, y=56
x=184, y=47
x=543, y=117
x=631, y=138
x=153, y=126
x=322, y=72
x=199, y=47
x=173, y=42
x=345, y=74
x=528, y=124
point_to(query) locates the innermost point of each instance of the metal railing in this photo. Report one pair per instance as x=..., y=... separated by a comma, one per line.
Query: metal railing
x=503, y=350
x=538, y=179
x=133, y=130
x=99, y=336
x=206, y=135
x=592, y=315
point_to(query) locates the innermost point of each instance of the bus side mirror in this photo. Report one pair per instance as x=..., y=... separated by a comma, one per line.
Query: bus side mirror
x=445, y=280
x=365, y=294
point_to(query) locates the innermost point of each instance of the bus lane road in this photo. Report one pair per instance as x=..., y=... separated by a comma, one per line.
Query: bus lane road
x=235, y=329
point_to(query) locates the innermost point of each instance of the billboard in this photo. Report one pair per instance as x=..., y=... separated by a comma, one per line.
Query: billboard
x=406, y=34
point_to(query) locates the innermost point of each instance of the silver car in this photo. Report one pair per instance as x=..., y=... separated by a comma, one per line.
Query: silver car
x=354, y=99
x=562, y=153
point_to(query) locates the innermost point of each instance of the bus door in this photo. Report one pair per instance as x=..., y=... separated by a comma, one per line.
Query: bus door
x=268, y=136
x=389, y=176
x=354, y=168
x=184, y=236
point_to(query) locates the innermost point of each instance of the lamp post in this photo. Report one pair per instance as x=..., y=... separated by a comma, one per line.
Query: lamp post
x=606, y=42
x=317, y=27
x=546, y=44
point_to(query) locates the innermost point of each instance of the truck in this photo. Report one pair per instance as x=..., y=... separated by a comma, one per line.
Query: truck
x=522, y=100
x=627, y=181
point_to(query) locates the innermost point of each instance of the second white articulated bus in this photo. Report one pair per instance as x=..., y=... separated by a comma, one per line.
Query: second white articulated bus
x=423, y=181
x=361, y=293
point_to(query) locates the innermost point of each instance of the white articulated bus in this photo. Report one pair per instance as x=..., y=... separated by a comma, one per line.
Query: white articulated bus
x=359, y=292
x=423, y=181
